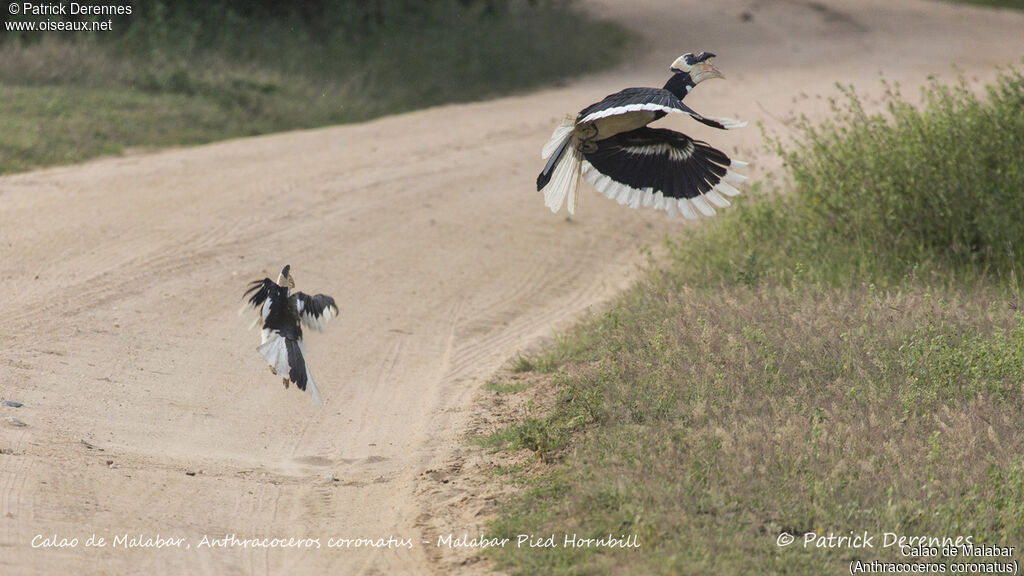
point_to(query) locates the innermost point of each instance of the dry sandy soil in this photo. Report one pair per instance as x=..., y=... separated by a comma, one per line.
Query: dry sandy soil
x=147, y=410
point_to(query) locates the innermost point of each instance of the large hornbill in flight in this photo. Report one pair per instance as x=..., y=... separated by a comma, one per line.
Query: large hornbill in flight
x=281, y=314
x=610, y=145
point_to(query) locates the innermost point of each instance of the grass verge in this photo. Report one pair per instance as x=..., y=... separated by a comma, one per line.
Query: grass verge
x=1015, y=4
x=843, y=358
x=177, y=78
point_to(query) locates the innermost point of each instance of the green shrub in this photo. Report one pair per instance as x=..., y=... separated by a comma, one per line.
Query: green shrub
x=932, y=193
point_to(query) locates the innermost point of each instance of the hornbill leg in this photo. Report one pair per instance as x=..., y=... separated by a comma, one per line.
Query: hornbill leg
x=273, y=370
x=585, y=138
x=586, y=131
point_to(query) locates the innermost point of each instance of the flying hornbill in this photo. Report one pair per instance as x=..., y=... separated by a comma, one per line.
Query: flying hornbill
x=281, y=313
x=610, y=145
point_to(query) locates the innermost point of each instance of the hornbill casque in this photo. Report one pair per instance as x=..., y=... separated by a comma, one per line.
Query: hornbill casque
x=610, y=145
x=281, y=315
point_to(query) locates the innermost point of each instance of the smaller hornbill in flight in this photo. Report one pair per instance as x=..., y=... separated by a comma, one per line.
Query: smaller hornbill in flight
x=610, y=145
x=281, y=315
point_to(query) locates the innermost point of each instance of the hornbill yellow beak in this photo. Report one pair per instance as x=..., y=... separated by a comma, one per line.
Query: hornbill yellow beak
x=285, y=277
x=704, y=71
x=699, y=66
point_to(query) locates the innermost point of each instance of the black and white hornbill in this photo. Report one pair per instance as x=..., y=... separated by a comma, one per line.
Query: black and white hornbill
x=610, y=145
x=281, y=315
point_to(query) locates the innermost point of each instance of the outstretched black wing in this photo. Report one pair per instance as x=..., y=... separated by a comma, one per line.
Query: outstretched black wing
x=633, y=100
x=259, y=291
x=657, y=100
x=264, y=296
x=315, y=311
x=663, y=169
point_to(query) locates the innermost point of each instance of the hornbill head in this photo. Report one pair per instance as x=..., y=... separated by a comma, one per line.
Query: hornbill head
x=285, y=278
x=698, y=67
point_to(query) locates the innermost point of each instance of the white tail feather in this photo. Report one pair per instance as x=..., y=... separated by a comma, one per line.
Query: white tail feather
x=311, y=388
x=314, y=392
x=562, y=133
x=275, y=352
x=564, y=182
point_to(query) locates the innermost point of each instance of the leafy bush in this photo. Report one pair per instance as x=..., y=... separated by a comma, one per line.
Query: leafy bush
x=933, y=193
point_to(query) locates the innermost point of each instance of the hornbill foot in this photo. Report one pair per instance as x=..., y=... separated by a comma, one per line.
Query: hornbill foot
x=285, y=382
x=273, y=370
x=586, y=131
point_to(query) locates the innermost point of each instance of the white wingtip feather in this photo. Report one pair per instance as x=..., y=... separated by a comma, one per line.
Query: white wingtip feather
x=660, y=202
x=717, y=199
x=687, y=209
x=726, y=189
x=702, y=205
x=673, y=209
x=734, y=177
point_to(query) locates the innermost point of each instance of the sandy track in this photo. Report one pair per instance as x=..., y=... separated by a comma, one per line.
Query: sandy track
x=122, y=278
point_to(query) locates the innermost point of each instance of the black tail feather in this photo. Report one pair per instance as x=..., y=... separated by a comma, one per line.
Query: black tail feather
x=545, y=176
x=296, y=364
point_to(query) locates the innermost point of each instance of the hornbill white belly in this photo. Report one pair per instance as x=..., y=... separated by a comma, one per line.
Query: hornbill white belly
x=610, y=145
x=281, y=316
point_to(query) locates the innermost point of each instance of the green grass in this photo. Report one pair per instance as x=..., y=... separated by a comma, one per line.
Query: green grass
x=847, y=355
x=506, y=387
x=709, y=421
x=46, y=125
x=178, y=79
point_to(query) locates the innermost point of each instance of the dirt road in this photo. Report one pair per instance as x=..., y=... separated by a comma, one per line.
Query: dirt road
x=147, y=410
